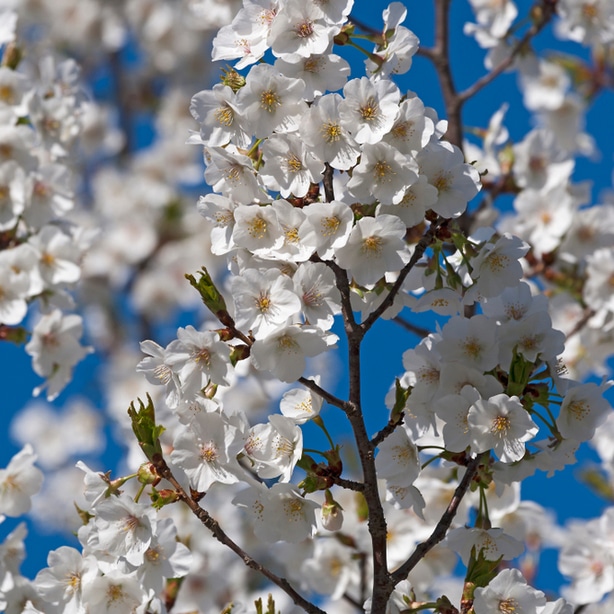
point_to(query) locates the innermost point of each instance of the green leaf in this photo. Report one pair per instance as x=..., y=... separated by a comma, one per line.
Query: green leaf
x=15, y=334
x=400, y=399
x=480, y=570
x=211, y=296
x=145, y=428
x=520, y=374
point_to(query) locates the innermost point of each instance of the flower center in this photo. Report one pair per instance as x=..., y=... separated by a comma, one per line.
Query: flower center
x=47, y=259
x=208, y=452
x=369, y=111
x=224, y=116
x=152, y=555
x=304, y=30
x=497, y=262
x=585, y=233
x=537, y=164
x=312, y=298
x=288, y=344
x=508, y=606
x=331, y=132
x=579, y=409
x=472, y=348
x=402, y=130
x=382, y=171
x=257, y=227
x=114, y=593
x=500, y=426
x=7, y=94
x=233, y=173
x=590, y=11
x=313, y=64
x=329, y=225
x=294, y=164
x=202, y=355
x=263, y=302
x=293, y=509
x=443, y=182
x=270, y=101
x=163, y=373
x=372, y=245
x=291, y=235
x=223, y=219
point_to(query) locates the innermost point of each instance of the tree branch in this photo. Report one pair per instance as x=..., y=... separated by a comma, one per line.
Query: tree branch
x=412, y=328
x=548, y=10
x=348, y=484
x=308, y=383
x=327, y=182
x=208, y=521
x=343, y=285
x=386, y=431
x=440, y=56
x=425, y=241
x=331, y=399
x=443, y=525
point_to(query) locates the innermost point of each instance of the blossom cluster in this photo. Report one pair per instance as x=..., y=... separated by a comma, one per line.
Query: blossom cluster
x=40, y=249
x=332, y=196
x=568, y=239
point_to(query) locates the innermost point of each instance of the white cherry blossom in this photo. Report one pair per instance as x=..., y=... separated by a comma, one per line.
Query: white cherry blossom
x=369, y=109
x=206, y=451
x=19, y=481
x=284, y=352
x=507, y=590
x=375, y=247
x=264, y=301
x=501, y=424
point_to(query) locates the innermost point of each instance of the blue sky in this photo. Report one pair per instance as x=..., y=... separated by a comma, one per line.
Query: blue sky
x=386, y=343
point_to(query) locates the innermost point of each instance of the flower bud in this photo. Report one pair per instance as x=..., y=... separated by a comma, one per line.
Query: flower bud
x=147, y=474
x=332, y=514
x=160, y=498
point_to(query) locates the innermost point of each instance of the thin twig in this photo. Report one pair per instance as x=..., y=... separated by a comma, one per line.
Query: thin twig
x=412, y=328
x=386, y=431
x=548, y=10
x=353, y=602
x=425, y=241
x=440, y=56
x=363, y=26
x=349, y=484
x=582, y=322
x=443, y=525
x=217, y=531
x=331, y=399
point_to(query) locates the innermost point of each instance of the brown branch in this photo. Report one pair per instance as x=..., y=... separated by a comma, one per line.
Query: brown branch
x=327, y=396
x=425, y=241
x=364, y=27
x=327, y=182
x=440, y=56
x=348, y=484
x=547, y=12
x=412, y=328
x=443, y=525
x=343, y=286
x=219, y=534
x=382, y=587
x=386, y=431
x=582, y=322
x=353, y=602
